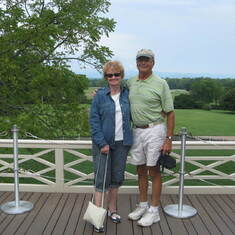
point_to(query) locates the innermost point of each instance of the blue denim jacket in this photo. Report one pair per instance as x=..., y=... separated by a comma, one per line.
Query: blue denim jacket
x=102, y=118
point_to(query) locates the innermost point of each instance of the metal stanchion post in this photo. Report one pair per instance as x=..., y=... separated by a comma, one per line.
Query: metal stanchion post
x=17, y=206
x=180, y=210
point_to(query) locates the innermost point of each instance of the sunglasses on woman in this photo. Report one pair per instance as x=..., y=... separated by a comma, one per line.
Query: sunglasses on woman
x=110, y=75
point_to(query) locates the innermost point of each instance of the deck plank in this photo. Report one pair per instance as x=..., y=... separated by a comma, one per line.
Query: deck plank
x=76, y=213
x=218, y=222
x=146, y=230
x=6, y=219
x=44, y=214
x=176, y=225
x=62, y=213
x=19, y=219
x=134, y=200
x=111, y=228
x=196, y=220
x=232, y=198
x=81, y=225
x=56, y=215
x=228, y=199
x=155, y=228
x=65, y=215
x=226, y=207
x=228, y=224
x=187, y=221
x=123, y=203
x=163, y=220
x=203, y=212
x=6, y=197
x=32, y=214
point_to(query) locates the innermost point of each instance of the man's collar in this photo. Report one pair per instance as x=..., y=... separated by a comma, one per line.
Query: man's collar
x=138, y=78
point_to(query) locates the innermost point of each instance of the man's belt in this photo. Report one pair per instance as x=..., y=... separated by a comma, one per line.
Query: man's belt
x=149, y=125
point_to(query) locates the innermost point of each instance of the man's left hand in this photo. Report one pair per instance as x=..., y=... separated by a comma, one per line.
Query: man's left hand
x=167, y=146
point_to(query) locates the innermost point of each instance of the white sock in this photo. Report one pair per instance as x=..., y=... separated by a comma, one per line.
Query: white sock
x=143, y=204
x=153, y=209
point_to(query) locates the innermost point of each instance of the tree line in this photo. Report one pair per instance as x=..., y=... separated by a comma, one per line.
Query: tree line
x=202, y=92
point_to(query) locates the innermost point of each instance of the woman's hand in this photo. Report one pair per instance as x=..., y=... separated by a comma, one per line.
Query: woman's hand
x=105, y=149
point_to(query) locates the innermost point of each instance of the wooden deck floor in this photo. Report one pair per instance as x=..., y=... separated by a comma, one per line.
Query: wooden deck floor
x=58, y=213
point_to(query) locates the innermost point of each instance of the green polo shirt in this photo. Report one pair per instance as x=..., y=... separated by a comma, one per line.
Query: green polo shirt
x=148, y=98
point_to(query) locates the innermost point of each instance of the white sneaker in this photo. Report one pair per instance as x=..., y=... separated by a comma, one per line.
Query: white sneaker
x=137, y=213
x=149, y=218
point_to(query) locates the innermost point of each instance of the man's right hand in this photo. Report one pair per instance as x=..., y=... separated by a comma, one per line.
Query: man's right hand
x=93, y=93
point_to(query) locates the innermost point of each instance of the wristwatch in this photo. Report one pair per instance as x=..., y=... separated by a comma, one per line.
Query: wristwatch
x=169, y=137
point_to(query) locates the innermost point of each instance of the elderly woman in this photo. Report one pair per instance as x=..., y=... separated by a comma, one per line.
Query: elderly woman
x=111, y=135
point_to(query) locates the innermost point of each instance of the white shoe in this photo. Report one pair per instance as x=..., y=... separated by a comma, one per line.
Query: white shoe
x=149, y=218
x=137, y=213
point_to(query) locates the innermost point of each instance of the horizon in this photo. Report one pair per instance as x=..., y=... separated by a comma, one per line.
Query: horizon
x=176, y=75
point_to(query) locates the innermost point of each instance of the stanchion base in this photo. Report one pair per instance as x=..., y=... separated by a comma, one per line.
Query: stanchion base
x=10, y=207
x=173, y=210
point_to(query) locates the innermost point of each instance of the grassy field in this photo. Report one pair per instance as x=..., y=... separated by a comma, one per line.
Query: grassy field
x=198, y=122
x=207, y=123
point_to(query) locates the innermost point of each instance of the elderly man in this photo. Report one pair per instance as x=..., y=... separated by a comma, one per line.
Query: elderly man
x=151, y=102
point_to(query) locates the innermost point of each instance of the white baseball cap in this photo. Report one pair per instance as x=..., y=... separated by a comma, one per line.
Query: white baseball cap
x=145, y=53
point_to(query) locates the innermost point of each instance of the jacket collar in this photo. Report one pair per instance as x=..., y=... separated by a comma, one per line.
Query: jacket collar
x=107, y=90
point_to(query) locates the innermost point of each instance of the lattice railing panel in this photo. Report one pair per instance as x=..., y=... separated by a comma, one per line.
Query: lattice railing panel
x=66, y=165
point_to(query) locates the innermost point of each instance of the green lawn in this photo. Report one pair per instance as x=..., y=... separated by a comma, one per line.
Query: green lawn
x=202, y=122
x=199, y=122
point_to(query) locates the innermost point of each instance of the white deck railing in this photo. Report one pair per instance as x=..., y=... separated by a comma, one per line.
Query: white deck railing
x=55, y=175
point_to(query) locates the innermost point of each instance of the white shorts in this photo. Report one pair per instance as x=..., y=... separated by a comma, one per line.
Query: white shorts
x=147, y=144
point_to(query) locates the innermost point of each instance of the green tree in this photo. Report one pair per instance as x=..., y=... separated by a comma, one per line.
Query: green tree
x=38, y=39
x=206, y=90
x=185, y=101
x=228, y=100
x=180, y=83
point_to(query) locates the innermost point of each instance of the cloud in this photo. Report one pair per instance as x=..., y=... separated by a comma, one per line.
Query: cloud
x=186, y=35
x=122, y=44
x=124, y=47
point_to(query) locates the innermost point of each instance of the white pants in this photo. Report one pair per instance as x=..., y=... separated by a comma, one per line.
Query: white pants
x=147, y=144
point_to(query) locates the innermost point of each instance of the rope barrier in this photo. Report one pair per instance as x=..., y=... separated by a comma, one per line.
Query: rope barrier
x=28, y=134
x=30, y=172
x=4, y=133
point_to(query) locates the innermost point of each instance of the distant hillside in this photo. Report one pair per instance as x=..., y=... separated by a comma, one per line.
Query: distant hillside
x=95, y=75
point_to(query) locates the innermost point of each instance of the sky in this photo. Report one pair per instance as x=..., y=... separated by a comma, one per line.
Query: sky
x=187, y=36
